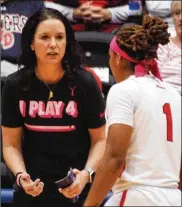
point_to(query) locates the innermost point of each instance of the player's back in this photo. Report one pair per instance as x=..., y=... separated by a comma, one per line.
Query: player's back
x=154, y=155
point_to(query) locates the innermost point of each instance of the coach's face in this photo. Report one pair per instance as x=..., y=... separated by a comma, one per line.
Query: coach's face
x=50, y=41
x=176, y=13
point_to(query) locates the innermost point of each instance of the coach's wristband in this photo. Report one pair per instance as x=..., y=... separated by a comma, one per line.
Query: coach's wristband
x=18, y=176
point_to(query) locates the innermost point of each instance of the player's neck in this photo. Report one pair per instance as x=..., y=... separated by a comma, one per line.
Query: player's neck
x=123, y=75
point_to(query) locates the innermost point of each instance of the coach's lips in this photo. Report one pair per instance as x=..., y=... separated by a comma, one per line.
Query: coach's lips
x=52, y=53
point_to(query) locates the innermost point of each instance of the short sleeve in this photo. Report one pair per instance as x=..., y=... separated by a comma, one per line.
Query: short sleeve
x=11, y=116
x=120, y=107
x=93, y=105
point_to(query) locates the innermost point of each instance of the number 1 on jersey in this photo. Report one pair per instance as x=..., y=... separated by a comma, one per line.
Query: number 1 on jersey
x=167, y=111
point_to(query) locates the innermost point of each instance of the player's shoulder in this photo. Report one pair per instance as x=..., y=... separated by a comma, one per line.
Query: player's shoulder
x=129, y=85
x=172, y=90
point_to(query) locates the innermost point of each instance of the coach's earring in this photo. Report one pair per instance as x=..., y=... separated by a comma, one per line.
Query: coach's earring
x=32, y=47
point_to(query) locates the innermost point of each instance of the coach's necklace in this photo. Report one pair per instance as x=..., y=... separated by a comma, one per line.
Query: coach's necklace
x=51, y=93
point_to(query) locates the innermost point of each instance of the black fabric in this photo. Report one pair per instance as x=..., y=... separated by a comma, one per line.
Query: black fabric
x=49, y=154
x=70, y=3
x=50, y=198
x=11, y=114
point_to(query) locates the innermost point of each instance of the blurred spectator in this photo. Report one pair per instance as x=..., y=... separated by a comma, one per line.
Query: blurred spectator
x=14, y=15
x=100, y=15
x=169, y=56
x=161, y=9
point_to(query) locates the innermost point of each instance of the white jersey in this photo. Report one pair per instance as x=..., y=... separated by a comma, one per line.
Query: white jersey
x=153, y=109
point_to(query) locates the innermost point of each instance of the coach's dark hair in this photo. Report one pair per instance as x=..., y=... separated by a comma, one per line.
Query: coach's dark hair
x=72, y=58
x=141, y=41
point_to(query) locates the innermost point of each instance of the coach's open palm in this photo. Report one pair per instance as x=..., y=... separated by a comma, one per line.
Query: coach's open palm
x=33, y=188
x=78, y=185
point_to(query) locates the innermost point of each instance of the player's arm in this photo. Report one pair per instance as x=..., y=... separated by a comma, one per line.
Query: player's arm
x=111, y=164
x=120, y=122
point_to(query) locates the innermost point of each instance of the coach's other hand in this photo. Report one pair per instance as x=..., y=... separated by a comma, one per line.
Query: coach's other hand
x=33, y=188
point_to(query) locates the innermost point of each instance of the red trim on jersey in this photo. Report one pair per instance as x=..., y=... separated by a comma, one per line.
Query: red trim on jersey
x=122, y=169
x=123, y=198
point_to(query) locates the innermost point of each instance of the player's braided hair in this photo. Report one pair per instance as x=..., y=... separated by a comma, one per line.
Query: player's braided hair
x=141, y=41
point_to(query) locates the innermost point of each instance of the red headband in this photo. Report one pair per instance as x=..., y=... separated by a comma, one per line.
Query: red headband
x=140, y=67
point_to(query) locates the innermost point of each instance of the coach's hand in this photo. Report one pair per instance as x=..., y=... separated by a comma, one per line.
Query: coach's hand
x=81, y=179
x=33, y=188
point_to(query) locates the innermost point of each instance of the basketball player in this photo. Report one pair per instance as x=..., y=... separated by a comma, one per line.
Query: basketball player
x=142, y=159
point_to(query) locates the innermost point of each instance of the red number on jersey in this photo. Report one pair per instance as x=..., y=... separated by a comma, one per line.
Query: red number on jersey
x=167, y=111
